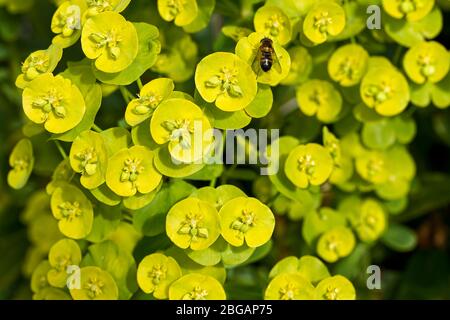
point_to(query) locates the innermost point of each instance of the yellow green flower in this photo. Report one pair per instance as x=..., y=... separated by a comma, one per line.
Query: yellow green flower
x=227, y=80
x=182, y=12
x=73, y=210
x=149, y=98
x=193, y=223
x=98, y=6
x=273, y=22
x=372, y=166
x=348, y=64
x=182, y=124
x=110, y=40
x=335, y=243
x=96, y=284
x=326, y=18
x=248, y=49
x=37, y=63
x=21, y=161
x=332, y=144
x=236, y=33
x=131, y=170
x=64, y=253
x=156, y=272
x=301, y=66
x=89, y=156
x=335, y=288
x=248, y=220
x=427, y=62
x=54, y=101
x=308, y=164
x=196, y=286
x=320, y=98
x=289, y=286
x=412, y=10
x=66, y=22
x=39, y=276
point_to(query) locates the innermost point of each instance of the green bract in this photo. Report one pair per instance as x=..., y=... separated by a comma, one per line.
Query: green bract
x=37, y=63
x=326, y=18
x=427, y=62
x=320, y=98
x=21, y=161
x=182, y=12
x=193, y=223
x=131, y=171
x=248, y=49
x=246, y=220
x=53, y=101
x=155, y=274
x=348, y=64
x=196, y=286
x=150, y=96
x=110, y=40
x=412, y=10
x=73, y=211
x=227, y=80
x=89, y=157
x=96, y=284
x=63, y=254
x=273, y=22
x=308, y=164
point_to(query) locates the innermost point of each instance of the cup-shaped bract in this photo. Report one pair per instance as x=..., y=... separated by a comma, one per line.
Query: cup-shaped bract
x=89, y=156
x=309, y=164
x=386, y=90
x=193, y=223
x=227, y=80
x=289, y=286
x=301, y=66
x=21, y=161
x=320, y=98
x=73, y=210
x=335, y=288
x=182, y=12
x=248, y=49
x=110, y=40
x=273, y=22
x=348, y=64
x=427, y=62
x=37, y=63
x=95, y=284
x=131, y=171
x=55, y=102
x=246, y=220
x=336, y=243
x=367, y=218
x=183, y=125
x=411, y=10
x=196, y=286
x=149, y=98
x=326, y=18
x=156, y=272
x=63, y=254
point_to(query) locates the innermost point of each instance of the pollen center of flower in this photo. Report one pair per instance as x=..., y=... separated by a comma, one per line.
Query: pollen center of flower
x=374, y=167
x=20, y=164
x=197, y=294
x=69, y=20
x=89, y=160
x=180, y=131
x=332, y=244
x=407, y=6
x=62, y=262
x=287, y=292
x=158, y=273
x=147, y=103
x=227, y=81
x=332, y=293
x=317, y=96
x=35, y=65
x=275, y=24
x=131, y=169
x=346, y=70
x=193, y=227
x=379, y=93
x=427, y=67
x=175, y=7
x=51, y=102
x=244, y=222
x=321, y=21
x=70, y=210
x=94, y=287
x=307, y=164
x=109, y=40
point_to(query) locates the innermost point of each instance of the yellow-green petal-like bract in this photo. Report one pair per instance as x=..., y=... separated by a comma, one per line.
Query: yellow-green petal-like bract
x=95, y=284
x=196, y=286
x=21, y=161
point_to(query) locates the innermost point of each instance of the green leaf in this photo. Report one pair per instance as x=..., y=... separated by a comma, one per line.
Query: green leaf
x=262, y=104
x=399, y=238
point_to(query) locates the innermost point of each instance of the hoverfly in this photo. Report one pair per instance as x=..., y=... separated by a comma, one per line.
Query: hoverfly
x=266, y=58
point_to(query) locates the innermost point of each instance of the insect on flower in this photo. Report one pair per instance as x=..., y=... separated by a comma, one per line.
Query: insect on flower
x=265, y=57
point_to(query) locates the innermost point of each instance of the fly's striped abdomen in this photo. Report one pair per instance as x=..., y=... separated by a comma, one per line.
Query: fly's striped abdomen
x=266, y=60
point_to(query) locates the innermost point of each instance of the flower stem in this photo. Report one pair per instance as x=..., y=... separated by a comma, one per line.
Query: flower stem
x=139, y=83
x=60, y=149
x=96, y=128
x=126, y=94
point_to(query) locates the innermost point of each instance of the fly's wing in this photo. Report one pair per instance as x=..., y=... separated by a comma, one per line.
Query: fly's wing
x=276, y=62
x=256, y=64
